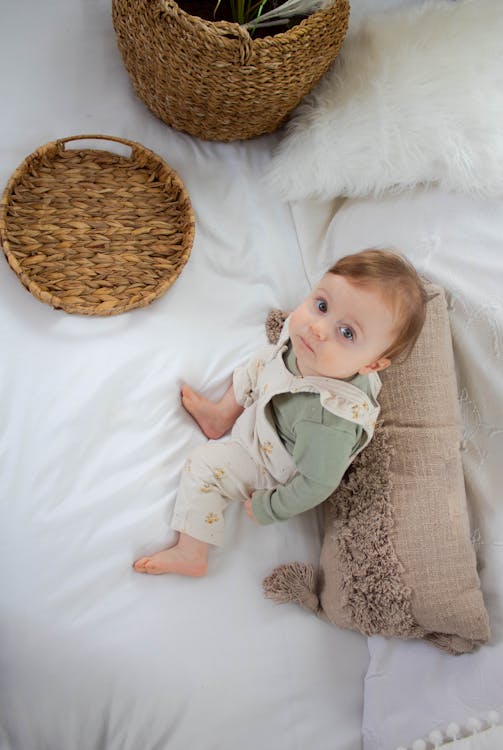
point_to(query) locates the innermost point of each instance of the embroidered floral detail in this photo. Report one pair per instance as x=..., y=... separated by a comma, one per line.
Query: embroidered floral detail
x=205, y=487
x=356, y=411
x=212, y=518
x=266, y=447
x=365, y=406
x=188, y=465
x=218, y=474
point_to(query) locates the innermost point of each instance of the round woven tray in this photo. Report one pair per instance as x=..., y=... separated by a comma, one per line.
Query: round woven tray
x=92, y=232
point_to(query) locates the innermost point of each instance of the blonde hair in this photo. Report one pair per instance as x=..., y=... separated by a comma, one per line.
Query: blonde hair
x=402, y=290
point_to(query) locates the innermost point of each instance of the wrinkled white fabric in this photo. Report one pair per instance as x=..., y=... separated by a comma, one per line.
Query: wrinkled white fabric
x=93, y=438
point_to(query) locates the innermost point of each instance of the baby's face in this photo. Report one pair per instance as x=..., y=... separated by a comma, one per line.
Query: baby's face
x=341, y=329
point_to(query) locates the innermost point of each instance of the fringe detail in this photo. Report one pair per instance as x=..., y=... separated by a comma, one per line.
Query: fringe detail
x=293, y=582
x=359, y=525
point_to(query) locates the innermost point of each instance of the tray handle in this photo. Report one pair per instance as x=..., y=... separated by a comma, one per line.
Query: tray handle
x=61, y=142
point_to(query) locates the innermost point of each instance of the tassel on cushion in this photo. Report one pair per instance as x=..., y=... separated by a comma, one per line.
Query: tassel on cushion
x=274, y=324
x=293, y=582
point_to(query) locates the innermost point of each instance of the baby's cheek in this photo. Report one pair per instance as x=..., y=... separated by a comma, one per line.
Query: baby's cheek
x=299, y=315
x=294, y=317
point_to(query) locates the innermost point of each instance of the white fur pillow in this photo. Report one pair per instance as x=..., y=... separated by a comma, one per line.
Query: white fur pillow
x=415, y=96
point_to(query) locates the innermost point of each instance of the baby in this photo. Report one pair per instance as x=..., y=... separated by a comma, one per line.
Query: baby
x=300, y=411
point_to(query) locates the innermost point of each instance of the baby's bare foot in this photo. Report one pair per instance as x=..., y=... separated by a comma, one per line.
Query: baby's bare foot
x=206, y=413
x=173, y=560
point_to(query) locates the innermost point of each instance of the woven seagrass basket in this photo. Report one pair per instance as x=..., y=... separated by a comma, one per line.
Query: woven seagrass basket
x=93, y=232
x=211, y=79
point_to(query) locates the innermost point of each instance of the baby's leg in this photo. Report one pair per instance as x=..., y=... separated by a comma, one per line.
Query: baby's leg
x=215, y=418
x=188, y=557
x=214, y=474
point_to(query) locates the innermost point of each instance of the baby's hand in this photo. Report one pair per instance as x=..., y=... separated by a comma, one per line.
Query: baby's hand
x=249, y=510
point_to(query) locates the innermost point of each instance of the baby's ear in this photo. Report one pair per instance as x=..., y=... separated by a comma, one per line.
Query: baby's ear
x=274, y=324
x=377, y=366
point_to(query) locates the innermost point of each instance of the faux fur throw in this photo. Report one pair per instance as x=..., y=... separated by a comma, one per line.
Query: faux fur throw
x=415, y=96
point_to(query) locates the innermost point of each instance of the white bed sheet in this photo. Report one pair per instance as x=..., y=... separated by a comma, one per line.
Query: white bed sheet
x=457, y=241
x=93, y=439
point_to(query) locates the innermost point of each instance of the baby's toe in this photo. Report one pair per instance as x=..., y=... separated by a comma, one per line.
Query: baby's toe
x=186, y=392
x=141, y=565
x=153, y=567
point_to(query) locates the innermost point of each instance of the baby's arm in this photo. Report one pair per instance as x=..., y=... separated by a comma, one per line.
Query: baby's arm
x=321, y=455
x=249, y=509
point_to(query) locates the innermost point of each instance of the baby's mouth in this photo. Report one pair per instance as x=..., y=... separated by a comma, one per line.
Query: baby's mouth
x=306, y=344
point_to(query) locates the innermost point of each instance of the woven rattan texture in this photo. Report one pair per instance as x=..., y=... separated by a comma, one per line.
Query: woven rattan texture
x=210, y=79
x=93, y=232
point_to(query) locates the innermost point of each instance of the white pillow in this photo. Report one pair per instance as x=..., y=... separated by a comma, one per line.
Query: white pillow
x=416, y=96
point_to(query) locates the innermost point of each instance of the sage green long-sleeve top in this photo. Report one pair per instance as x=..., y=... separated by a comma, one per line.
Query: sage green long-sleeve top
x=320, y=444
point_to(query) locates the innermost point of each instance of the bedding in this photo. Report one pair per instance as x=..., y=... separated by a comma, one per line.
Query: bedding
x=93, y=439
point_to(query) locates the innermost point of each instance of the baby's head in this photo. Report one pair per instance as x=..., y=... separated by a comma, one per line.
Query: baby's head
x=365, y=313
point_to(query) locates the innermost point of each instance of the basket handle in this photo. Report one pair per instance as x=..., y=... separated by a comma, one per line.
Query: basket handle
x=245, y=43
x=131, y=144
x=223, y=31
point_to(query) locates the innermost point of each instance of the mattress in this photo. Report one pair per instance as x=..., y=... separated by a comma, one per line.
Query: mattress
x=93, y=438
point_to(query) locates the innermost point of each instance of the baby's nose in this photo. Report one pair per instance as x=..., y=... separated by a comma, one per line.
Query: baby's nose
x=318, y=330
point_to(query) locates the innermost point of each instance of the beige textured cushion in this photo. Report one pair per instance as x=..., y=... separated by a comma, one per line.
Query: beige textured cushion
x=397, y=558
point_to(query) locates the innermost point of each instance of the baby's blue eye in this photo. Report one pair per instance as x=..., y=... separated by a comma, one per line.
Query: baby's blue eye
x=321, y=305
x=347, y=333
